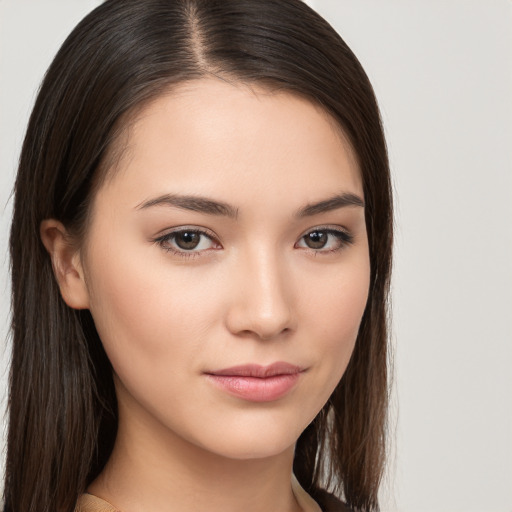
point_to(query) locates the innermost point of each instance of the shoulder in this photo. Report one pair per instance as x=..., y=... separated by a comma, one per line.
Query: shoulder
x=329, y=503
x=90, y=503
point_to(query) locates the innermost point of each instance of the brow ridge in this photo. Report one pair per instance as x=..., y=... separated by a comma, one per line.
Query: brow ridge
x=212, y=207
x=338, y=201
x=193, y=203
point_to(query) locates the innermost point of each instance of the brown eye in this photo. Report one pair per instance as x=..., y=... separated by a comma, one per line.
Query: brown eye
x=187, y=240
x=325, y=240
x=316, y=239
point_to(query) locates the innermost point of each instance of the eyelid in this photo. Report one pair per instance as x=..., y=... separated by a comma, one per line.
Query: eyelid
x=326, y=227
x=186, y=227
x=330, y=228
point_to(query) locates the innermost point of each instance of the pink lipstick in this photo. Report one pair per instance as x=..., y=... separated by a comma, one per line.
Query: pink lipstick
x=257, y=383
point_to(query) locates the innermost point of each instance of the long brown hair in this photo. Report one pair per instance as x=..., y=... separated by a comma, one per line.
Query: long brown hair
x=62, y=404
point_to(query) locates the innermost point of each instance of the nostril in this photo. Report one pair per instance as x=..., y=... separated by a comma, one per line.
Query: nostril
x=247, y=323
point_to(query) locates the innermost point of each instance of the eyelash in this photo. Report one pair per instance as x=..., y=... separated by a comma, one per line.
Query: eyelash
x=344, y=239
x=164, y=240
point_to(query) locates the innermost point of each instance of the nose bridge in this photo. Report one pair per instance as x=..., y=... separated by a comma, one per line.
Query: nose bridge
x=263, y=300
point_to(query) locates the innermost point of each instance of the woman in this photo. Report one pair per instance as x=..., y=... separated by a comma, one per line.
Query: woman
x=201, y=248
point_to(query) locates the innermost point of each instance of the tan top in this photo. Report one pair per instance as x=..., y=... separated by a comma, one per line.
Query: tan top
x=90, y=503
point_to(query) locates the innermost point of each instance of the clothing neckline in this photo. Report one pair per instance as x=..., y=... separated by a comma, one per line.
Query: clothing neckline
x=91, y=503
x=88, y=502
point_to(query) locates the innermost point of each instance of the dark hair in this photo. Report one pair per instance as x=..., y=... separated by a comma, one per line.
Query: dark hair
x=63, y=413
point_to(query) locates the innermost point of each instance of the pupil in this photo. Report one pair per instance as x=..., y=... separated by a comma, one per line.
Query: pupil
x=187, y=240
x=316, y=239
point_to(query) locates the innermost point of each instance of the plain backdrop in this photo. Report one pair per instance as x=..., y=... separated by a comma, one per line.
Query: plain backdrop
x=442, y=71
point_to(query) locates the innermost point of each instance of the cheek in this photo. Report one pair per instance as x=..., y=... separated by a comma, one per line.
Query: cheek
x=335, y=317
x=347, y=303
x=149, y=314
x=339, y=296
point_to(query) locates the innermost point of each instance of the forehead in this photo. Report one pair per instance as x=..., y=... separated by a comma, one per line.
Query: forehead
x=221, y=137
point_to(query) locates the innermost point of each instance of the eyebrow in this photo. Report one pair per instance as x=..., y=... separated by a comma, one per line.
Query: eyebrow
x=194, y=203
x=338, y=201
x=213, y=207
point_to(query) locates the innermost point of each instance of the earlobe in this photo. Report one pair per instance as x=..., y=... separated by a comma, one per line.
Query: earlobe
x=66, y=263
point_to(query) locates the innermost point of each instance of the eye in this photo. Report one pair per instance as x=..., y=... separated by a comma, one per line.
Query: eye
x=325, y=240
x=187, y=241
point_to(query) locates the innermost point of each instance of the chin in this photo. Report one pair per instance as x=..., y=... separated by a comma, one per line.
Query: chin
x=257, y=440
x=253, y=449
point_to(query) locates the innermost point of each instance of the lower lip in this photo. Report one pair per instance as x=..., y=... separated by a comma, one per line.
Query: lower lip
x=255, y=389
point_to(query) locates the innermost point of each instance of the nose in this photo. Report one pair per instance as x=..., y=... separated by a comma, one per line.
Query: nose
x=261, y=303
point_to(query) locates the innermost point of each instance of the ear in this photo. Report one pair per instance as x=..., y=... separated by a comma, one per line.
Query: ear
x=66, y=263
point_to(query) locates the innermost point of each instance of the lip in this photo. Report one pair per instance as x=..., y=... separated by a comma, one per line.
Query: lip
x=257, y=383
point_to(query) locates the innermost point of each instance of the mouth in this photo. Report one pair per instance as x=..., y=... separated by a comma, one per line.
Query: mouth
x=257, y=383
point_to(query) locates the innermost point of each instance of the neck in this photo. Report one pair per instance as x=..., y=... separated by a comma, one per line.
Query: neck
x=152, y=468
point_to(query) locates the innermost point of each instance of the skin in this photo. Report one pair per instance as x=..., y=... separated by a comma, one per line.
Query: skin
x=253, y=291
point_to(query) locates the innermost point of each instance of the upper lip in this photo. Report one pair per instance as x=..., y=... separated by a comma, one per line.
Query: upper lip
x=256, y=370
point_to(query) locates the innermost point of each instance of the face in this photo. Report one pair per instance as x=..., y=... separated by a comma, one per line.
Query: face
x=227, y=267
